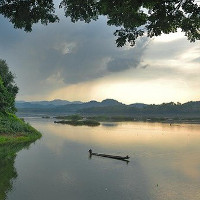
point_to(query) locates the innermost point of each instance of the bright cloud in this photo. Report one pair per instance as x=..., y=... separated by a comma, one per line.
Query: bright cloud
x=81, y=62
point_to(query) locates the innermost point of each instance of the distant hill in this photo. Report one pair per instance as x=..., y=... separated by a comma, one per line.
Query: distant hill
x=61, y=106
x=111, y=107
x=66, y=104
x=192, y=104
x=90, y=104
x=190, y=109
x=138, y=105
x=110, y=102
x=106, y=102
x=56, y=102
x=44, y=104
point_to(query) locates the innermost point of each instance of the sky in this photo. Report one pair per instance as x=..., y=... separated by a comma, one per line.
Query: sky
x=82, y=62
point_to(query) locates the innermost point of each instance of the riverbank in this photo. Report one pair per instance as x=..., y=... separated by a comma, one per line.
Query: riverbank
x=79, y=122
x=15, y=130
x=106, y=118
x=168, y=120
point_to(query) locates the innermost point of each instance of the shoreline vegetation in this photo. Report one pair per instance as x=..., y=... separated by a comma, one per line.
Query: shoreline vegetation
x=78, y=120
x=145, y=119
x=12, y=129
x=15, y=130
x=15, y=135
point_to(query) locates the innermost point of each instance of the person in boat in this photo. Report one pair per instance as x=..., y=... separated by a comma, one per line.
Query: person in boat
x=90, y=151
x=127, y=157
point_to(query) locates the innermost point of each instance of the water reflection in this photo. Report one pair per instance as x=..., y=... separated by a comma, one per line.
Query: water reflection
x=129, y=134
x=7, y=170
x=109, y=124
x=164, y=163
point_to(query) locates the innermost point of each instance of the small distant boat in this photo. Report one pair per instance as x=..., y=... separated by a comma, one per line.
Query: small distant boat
x=124, y=158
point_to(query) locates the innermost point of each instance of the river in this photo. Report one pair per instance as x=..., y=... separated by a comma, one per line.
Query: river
x=164, y=163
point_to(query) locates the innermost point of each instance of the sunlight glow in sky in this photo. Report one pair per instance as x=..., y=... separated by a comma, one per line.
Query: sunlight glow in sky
x=81, y=62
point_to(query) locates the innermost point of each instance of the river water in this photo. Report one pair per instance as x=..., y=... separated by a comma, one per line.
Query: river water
x=164, y=163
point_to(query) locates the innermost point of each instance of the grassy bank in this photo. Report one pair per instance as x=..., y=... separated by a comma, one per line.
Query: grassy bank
x=15, y=130
x=15, y=135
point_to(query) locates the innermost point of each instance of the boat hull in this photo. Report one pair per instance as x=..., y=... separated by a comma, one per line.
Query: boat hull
x=111, y=156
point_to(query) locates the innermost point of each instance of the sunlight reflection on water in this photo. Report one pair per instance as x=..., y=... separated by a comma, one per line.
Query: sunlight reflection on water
x=164, y=163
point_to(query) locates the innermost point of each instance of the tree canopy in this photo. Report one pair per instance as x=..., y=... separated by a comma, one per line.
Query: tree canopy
x=23, y=14
x=133, y=17
x=8, y=89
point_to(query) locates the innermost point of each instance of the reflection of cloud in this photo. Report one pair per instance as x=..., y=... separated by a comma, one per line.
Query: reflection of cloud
x=163, y=160
x=107, y=124
x=125, y=133
x=188, y=167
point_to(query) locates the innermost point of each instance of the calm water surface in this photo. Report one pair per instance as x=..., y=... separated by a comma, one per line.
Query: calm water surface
x=164, y=164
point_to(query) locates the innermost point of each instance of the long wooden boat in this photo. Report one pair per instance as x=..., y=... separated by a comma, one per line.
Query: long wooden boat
x=124, y=158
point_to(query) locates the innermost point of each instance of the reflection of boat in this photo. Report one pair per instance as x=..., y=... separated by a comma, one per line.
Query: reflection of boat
x=124, y=158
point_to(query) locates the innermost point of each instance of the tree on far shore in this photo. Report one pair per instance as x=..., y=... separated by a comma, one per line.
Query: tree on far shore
x=8, y=89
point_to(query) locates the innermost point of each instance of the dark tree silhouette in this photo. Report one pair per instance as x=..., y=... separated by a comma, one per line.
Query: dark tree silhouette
x=133, y=17
x=23, y=14
x=8, y=89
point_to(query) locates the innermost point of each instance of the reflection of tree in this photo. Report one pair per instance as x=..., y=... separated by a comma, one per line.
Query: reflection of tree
x=7, y=169
x=133, y=17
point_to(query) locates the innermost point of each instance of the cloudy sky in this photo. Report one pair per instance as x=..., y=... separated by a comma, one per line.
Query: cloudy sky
x=81, y=62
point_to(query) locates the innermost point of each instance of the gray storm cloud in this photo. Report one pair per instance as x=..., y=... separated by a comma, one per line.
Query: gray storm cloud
x=61, y=54
x=78, y=52
x=197, y=60
x=131, y=59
